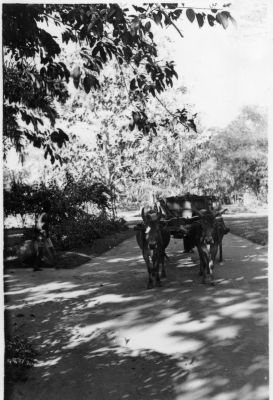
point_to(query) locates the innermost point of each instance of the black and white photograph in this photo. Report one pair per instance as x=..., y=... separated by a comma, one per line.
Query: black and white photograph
x=135, y=196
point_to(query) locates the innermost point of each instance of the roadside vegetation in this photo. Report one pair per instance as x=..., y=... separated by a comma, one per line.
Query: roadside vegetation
x=254, y=228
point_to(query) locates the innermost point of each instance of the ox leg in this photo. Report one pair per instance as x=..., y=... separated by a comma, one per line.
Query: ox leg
x=210, y=270
x=202, y=271
x=157, y=277
x=163, y=270
x=212, y=260
x=220, y=251
x=150, y=270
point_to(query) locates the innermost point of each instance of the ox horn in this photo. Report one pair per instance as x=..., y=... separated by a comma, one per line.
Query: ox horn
x=159, y=213
x=143, y=216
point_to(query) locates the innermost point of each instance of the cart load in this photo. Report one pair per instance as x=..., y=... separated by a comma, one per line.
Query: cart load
x=181, y=210
x=185, y=206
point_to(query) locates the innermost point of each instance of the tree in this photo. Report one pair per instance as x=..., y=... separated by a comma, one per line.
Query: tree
x=32, y=62
x=122, y=159
x=238, y=156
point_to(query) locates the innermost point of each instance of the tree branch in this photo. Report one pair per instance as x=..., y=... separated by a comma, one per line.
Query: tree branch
x=163, y=105
x=172, y=23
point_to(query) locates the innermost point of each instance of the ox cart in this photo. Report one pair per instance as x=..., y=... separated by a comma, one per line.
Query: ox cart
x=176, y=216
x=180, y=211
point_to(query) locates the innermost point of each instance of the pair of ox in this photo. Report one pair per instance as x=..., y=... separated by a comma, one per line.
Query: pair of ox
x=205, y=232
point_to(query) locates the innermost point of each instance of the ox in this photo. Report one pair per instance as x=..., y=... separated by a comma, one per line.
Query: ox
x=207, y=235
x=153, y=241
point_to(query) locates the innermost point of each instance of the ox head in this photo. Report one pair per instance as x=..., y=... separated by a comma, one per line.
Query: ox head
x=208, y=223
x=152, y=221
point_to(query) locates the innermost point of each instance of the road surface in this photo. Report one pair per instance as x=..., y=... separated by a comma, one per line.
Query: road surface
x=102, y=335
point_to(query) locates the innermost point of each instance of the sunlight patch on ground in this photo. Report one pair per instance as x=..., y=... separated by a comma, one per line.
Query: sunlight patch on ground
x=197, y=389
x=196, y=326
x=256, y=278
x=52, y=296
x=116, y=260
x=83, y=334
x=224, y=300
x=104, y=299
x=227, y=332
x=200, y=388
x=58, y=296
x=155, y=336
x=48, y=363
x=255, y=258
x=45, y=288
x=12, y=292
x=186, y=263
x=159, y=336
x=240, y=310
x=259, y=363
x=202, y=393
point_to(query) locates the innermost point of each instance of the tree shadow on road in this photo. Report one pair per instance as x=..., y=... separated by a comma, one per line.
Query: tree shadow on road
x=100, y=331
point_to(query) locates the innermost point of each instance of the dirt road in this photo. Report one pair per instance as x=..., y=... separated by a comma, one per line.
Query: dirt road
x=101, y=335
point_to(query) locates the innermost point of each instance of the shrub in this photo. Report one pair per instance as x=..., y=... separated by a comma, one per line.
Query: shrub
x=19, y=356
x=83, y=229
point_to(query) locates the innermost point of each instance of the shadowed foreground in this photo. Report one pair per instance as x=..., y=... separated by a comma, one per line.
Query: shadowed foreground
x=101, y=335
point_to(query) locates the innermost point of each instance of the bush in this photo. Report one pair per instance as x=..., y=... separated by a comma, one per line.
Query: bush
x=83, y=229
x=19, y=356
x=24, y=199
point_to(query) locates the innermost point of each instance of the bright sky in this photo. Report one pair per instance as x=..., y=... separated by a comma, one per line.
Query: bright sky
x=224, y=69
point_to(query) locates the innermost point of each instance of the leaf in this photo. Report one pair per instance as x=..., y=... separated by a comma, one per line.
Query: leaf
x=192, y=125
x=167, y=20
x=177, y=14
x=211, y=19
x=139, y=9
x=190, y=14
x=233, y=21
x=103, y=54
x=76, y=73
x=200, y=19
x=126, y=38
x=112, y=12
x=158, y=18
x=134, y=26
x=87, y=82
x=148, y=26
x=127, y=53
x=133, y=84
x=76, y=82
x=42, y=71
x=119, y=14
x=140, y=82
x=223, y=19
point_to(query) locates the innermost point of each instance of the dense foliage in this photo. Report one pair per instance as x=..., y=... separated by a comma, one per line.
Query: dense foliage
x=79, y=210
x=35, y=75
x=19, y=357
x=22, y=198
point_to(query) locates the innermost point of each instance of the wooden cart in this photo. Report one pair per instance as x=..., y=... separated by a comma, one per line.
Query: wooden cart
x=180, y=212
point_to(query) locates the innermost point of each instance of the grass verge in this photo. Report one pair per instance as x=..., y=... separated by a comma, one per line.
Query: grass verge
x=254, y=228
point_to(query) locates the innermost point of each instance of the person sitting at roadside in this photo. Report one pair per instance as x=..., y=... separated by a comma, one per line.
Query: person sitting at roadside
x=43, y=243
